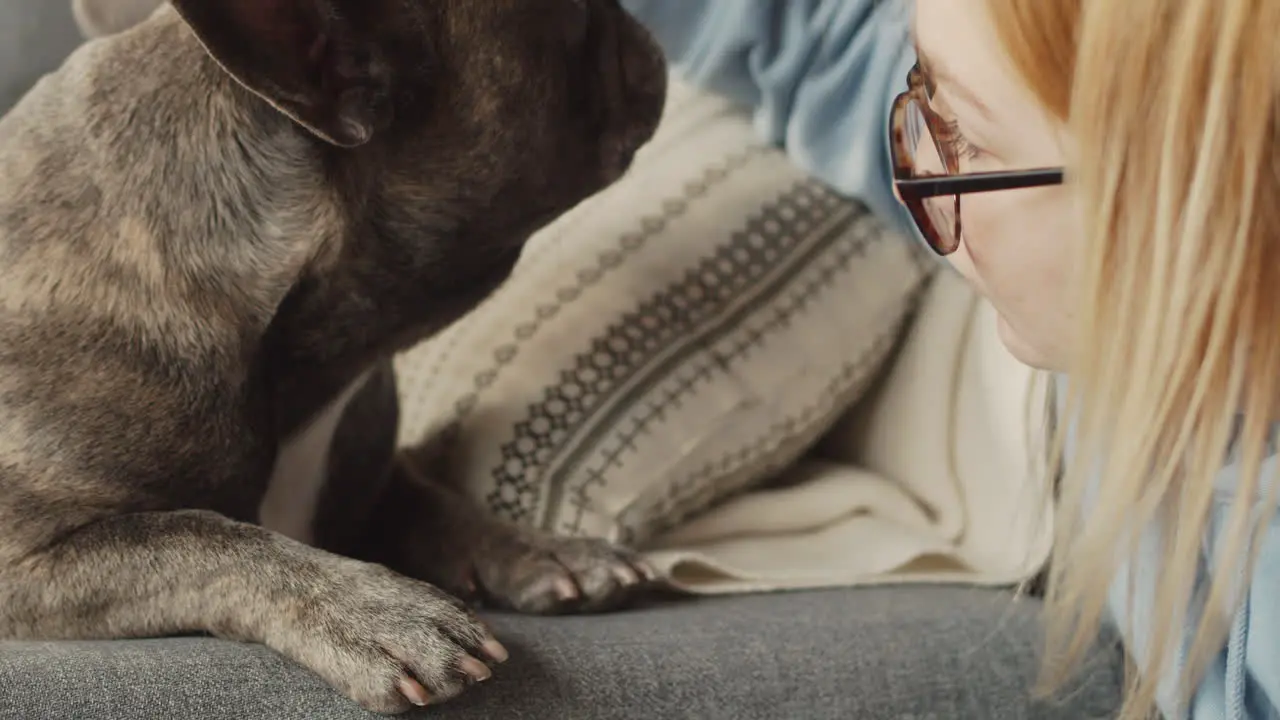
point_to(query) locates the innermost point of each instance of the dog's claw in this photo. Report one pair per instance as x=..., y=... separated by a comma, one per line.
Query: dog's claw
x=495, y=650
x=626, y=575
x=566, y=590
x=414, y=692
x=649, y=572
x=543, y=574
x=476, y=670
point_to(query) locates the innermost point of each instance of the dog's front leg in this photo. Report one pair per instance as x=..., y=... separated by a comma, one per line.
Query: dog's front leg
x=382, y=639
x=382, y=507
x=430, y=531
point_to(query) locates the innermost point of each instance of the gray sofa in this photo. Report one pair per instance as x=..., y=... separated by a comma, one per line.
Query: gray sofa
x=937, y=653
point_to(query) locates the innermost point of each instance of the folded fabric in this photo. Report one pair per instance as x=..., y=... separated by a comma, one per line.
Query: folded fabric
x=933, y=478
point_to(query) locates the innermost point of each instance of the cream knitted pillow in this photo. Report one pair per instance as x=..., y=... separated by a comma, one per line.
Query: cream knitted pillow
x=670, y=342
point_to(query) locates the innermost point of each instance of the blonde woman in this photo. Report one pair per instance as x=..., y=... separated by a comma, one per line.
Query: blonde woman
x=1107, y=174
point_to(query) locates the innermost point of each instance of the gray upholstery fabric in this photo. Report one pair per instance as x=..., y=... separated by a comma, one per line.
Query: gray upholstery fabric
x=35, y=37
x=922, y=653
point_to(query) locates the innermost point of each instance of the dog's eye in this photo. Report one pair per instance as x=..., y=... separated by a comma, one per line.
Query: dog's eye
x=578, y=22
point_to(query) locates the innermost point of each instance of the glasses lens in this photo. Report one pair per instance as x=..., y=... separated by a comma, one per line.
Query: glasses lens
x=941, y=211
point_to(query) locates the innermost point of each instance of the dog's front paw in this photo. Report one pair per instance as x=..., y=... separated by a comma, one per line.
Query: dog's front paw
x=386, y=641
x=541, y=574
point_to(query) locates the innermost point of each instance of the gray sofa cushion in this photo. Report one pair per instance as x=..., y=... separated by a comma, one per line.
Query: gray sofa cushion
x=935, y=653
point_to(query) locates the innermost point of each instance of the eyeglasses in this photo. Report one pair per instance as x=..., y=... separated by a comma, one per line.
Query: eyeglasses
x=927, y=174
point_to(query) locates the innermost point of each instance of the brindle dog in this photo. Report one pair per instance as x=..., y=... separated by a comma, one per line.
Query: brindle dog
x=215, y=229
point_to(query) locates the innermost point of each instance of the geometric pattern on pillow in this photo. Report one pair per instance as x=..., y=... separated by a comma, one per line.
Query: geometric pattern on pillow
x=778, y=263
x=673, y=341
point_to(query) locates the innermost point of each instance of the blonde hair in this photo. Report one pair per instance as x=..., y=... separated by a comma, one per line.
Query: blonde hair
x=1173, y=110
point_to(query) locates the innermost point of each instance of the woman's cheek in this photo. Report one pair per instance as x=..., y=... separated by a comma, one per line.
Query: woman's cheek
x=1019, y=253
x=994, y=256
x=974, y=258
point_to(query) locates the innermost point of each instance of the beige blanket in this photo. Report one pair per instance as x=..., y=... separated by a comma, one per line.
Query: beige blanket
x=929, y=480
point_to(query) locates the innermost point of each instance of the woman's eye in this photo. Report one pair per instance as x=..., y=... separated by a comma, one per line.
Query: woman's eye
x=956, y=143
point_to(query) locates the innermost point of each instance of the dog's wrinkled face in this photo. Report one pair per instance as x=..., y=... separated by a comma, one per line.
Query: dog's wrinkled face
x=481, y=118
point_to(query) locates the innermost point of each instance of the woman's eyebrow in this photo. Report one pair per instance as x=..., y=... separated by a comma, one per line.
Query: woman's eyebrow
x=940, y=73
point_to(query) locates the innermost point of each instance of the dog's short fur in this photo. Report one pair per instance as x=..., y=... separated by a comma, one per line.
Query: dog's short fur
x=215, y=228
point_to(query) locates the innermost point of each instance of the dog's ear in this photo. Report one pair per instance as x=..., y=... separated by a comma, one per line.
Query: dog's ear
x=301, y=56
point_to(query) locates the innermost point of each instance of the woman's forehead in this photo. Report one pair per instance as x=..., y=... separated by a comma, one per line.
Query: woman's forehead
x=953, y=37
x=958, y=48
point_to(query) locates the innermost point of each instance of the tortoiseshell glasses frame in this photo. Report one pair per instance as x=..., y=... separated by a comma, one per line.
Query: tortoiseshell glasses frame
x=930, y=198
